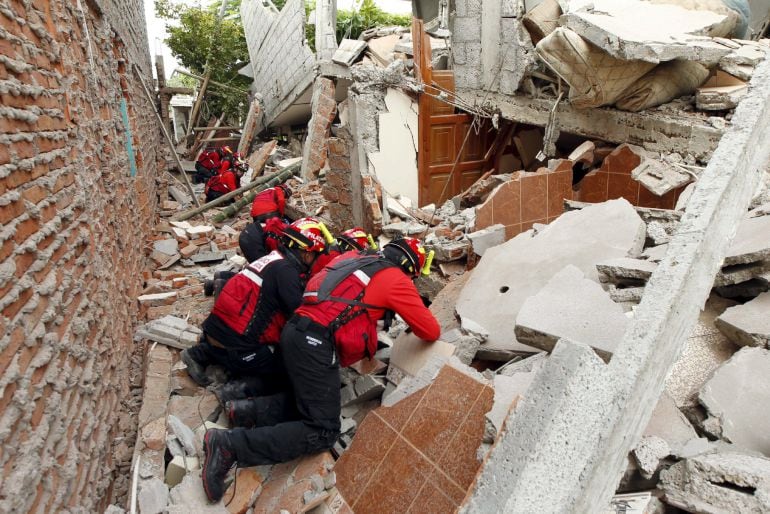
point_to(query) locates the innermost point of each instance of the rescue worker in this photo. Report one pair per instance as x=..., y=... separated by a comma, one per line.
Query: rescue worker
x=207, y=165
x=245, y=323
x=336, y=325
x=225, y=181
x=268, y=213
x=354, y=239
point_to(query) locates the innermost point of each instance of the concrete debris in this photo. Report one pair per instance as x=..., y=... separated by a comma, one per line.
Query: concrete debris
x=750, y=244
x=166, y=246
x=525, y=365
x=482, y=240
x=348, y=51
x=466, y=343
x=741, y=61
x=667, y=432
x=721, y=92
x=737, y=398
x=727, y=481
x=189, y=496
x=171, y=331
x=153, y=496
x=409, y=354
x=508, y=391
x=658, y=176
x=625, y=272
x=183, y=433
x=178, y=468
x=510, y=273
x=747, y=324
x=573, y=307
x=652, y=32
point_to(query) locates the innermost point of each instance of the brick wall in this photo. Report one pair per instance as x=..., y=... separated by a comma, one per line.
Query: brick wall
x=73, y=226
x=281, y=60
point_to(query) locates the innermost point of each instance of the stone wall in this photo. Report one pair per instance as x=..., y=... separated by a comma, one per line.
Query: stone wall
x=73, y=225
x=281, y=60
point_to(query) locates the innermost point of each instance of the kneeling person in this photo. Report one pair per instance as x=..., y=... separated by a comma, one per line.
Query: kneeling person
x=336, y=325
x=250, y=312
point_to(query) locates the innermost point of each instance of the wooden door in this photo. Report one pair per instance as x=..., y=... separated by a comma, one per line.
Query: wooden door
x=443, y=132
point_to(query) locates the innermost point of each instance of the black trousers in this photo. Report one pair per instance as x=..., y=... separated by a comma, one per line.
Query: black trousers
x=262, y=360
x=310, y=359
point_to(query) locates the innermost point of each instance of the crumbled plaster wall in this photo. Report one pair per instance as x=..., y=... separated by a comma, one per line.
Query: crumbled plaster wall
x=73, y=225
x=281, y=60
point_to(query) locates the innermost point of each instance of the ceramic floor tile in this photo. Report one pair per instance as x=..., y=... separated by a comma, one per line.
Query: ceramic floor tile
x=397, y=415
x=593, y=187
x=396, y=483
x=358, y=464
x=441, y=411
x=431, y=500
x=559, y=189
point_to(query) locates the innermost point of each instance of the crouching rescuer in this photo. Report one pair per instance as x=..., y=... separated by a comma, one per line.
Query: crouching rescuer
x=248, y=316
x=336, y=325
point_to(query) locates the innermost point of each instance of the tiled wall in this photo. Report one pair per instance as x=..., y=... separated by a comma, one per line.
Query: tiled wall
x=613, y=180
x=526, y=199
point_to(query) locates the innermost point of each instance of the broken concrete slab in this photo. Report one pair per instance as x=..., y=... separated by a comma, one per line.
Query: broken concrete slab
x=667, y=432
x=510, y=273
x=737, y=273
x=153, y=496
x=508, y=391
x=751, y=242
x=747, y=324
x=634, y=30
x=625, y=271
x=348, y=51
x=205, y=257
x=658, y=176
x=737, y=397
x=410, y=353
x=486, y=238
x=727, y=481
x=466, y=343
x=183, y=433
x=166, y=246
x=721, y=92
x=573, y=307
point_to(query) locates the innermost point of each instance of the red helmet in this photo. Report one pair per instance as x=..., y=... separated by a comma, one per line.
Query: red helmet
x=353, y=239
x=307, y=234
x=412, y=258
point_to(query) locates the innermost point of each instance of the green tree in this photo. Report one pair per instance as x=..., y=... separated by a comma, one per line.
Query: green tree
x=196, y=37
x=351, y=23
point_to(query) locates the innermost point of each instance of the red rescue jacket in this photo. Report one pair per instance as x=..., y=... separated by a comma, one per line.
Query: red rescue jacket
x=267, y=201
x=224, y=182
x=254, y=305
x=353, y=292
x=209, y=159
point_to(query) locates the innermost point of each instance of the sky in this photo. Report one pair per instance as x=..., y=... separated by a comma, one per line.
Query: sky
x=156, y=30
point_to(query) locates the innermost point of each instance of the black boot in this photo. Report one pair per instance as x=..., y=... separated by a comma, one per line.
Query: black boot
x=219, y=283
x=241, y=413
x=218, y=459
x=208, y=287
x=195, y=369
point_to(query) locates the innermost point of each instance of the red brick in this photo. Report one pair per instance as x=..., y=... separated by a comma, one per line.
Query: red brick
x=25, y=229
x=6, y=249
x=35, y=193
x=11, y=211
x=15, y=342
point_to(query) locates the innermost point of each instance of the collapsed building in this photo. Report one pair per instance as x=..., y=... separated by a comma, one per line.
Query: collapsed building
x=597, y=201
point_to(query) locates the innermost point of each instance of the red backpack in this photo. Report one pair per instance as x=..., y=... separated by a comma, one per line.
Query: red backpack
x=333, y=298
x=238, y=302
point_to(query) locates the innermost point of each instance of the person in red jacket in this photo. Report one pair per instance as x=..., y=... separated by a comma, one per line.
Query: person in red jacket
x=335, y=326
x=222, y=183
x=248, y=316
x=270, y=203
